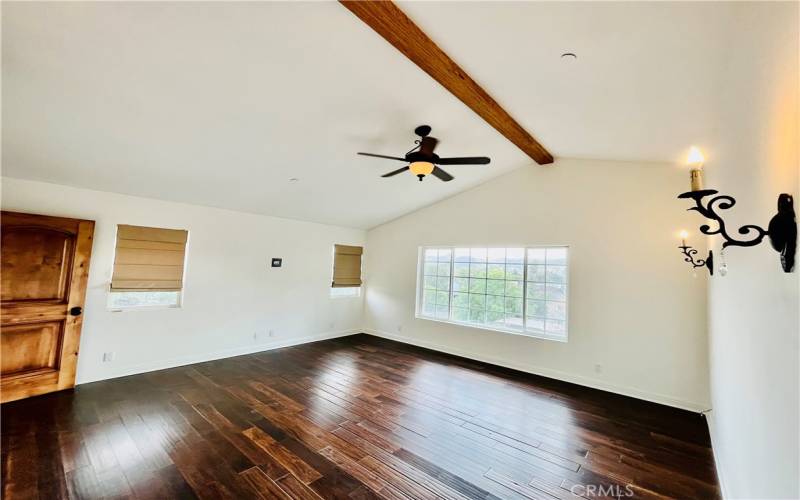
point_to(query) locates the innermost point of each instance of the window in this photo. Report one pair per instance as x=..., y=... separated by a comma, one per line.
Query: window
x=518, y=290
x=346, y=266
x=148, y=267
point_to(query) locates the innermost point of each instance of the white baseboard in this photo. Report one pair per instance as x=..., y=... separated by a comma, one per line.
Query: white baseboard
x=226, y=353
x=549, y=373
x=716, y=450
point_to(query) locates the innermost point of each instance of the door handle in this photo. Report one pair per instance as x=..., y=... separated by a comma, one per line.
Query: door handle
x=75, y=311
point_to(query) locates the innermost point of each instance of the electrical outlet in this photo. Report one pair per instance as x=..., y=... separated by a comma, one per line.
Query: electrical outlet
x=108, y=356
x=598, y=368
x=399, y=328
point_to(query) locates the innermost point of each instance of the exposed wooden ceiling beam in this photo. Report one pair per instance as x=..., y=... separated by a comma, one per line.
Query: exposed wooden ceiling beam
x=392, y=24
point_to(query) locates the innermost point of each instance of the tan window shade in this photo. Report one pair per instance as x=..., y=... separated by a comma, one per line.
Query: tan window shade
x=149, y=259
x=346, y=266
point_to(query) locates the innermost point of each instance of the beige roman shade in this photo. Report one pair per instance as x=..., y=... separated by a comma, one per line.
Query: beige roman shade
x=149, y=259
x=346, y=266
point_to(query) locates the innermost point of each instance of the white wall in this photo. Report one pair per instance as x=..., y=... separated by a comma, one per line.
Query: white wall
x=754, y=329
x=230, y=291
x=634, y=306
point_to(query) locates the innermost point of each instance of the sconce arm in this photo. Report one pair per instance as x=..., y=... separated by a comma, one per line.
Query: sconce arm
x=709, y=211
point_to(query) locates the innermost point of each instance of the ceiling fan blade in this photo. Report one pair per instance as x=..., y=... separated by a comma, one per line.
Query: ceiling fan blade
x=442, y=175
x=470, y=160
x=383, y=156
x=395, y=172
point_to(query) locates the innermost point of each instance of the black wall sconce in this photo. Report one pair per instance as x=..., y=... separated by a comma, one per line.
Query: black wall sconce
x=689, y=253
x=782, y=228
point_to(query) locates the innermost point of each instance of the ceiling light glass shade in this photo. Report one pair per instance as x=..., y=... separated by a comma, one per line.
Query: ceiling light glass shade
x=421, y=167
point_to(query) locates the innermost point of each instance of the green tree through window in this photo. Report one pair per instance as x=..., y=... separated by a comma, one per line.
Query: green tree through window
x=521, y=290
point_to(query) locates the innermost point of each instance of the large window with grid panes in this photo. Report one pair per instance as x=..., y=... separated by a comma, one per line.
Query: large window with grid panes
x=521, y=290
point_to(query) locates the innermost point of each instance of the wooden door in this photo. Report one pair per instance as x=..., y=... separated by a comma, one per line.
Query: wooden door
x=45, y=266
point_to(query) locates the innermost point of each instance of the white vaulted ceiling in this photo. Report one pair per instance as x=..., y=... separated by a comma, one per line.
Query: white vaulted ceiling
x=219, y=104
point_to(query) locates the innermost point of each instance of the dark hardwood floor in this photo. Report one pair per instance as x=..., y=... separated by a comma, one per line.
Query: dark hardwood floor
x=356, y=417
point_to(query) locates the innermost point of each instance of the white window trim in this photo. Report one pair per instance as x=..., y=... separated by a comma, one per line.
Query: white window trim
x=420, y=281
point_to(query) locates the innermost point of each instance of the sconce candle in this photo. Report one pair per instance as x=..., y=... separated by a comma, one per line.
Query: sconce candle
x=684, y=235
x=695, y=161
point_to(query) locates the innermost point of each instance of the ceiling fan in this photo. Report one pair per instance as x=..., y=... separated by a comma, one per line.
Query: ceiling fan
x=423, y=161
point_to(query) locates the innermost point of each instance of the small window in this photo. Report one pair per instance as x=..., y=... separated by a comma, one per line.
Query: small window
x=148, y=268
x=346, y=266
x=518, y=290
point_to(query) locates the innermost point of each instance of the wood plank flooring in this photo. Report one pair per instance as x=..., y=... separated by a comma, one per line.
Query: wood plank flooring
x=356, y=417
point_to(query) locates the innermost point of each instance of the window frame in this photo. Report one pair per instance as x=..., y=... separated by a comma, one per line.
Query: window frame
x=360, y=269
x=357, y=295
x=157, y=307
x=420, y=283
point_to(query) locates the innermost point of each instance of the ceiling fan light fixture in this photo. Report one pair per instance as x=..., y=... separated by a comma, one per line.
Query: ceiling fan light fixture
x=421, y=168
x=423, y=161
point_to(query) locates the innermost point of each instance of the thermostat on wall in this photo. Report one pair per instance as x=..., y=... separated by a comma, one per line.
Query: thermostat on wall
x=276, y=262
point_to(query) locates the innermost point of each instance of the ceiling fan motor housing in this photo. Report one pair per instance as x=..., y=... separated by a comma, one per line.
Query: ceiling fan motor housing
x=421, y=156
